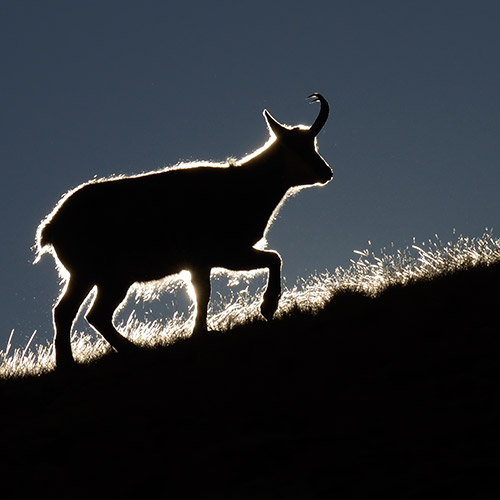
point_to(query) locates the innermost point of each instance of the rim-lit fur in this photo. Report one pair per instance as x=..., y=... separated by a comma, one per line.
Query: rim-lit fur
x=111, y=233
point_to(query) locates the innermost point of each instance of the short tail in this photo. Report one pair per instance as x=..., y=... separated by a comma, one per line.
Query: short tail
x=46, y=235
x=44, y=240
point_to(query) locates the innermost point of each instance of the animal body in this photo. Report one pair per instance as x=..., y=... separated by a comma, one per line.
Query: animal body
x=113, y=233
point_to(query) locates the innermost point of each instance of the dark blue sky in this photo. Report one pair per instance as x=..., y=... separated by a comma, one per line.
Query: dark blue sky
x=101, y=87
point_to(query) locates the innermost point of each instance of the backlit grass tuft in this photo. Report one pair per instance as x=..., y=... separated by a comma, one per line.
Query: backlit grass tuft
x=370, y=274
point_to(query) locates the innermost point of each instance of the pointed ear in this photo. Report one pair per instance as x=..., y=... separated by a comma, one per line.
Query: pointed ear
x=273, y=124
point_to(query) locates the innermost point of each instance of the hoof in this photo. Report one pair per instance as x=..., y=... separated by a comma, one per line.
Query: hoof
x=199, y=331
x=127, y=347
x=65, y=364
x=200, y=327
x=268, y=308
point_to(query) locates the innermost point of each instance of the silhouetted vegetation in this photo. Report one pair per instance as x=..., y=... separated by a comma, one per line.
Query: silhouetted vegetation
x=392, y=392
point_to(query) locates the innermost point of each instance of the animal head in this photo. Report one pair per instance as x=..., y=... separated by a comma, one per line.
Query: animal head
x=298, y=150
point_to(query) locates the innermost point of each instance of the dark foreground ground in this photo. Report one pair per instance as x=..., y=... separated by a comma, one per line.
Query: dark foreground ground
x=397, y=396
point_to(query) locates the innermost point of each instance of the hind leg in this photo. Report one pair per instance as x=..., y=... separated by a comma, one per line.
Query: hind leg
x=100, y=316
x=65, y=313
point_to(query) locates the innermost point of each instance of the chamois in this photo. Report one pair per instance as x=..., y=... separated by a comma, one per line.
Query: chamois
x=112, y=233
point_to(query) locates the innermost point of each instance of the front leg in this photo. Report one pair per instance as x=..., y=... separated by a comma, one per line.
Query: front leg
x=200, y=278
x=258, y=259
x=272, y=293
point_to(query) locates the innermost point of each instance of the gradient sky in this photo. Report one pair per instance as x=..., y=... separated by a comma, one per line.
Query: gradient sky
x=100, y=87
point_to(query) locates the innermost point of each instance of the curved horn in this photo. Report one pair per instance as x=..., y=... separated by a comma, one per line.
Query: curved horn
x=323, y=113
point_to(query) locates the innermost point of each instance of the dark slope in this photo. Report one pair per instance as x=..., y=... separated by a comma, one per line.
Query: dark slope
x=395, y=395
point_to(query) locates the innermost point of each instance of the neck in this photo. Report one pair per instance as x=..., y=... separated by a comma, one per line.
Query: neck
x=267, y=169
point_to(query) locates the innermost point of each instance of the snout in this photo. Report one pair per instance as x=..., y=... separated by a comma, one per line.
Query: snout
x=326, y=174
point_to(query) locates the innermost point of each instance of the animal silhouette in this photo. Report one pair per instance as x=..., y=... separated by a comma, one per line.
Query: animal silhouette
x=112, y=233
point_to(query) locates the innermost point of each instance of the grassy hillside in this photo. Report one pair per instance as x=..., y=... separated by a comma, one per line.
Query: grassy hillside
x=385, y=388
